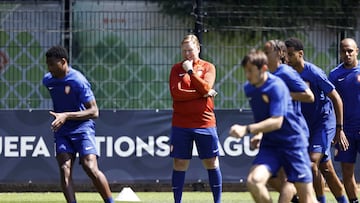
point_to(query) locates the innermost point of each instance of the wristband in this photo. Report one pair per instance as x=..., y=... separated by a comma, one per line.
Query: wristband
x=339, y=126
x=190, y=72
x=247, y=130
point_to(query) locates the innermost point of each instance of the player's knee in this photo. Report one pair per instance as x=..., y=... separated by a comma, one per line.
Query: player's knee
x=327, y=171
x=91, y=170
x=254, y=181
x=89, y=166
x=65, y=169
x=252, y=185
x=181, y=164
x=211, y=163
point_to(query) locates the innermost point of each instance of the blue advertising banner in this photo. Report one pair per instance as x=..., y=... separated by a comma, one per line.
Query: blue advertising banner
x=133, y=145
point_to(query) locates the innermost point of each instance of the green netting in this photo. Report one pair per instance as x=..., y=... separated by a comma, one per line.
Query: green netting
x=127, y=55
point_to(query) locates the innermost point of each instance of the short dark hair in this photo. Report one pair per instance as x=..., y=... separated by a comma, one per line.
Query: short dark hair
x=57, y=52
x=255, y=57
x=294, y=43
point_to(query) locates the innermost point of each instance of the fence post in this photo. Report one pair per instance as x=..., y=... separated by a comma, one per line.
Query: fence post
x=67, y=26
x=198, y=10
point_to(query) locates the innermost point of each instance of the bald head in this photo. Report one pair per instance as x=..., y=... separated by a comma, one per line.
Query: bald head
x=348, y=41
x=349, y=52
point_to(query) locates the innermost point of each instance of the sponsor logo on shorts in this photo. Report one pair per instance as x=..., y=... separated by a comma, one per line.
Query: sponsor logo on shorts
x=301, y=175
x=88, y=148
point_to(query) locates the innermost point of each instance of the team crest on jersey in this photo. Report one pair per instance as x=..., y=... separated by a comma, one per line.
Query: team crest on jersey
x=67, y=89
x=199, y=72
x=265, y=98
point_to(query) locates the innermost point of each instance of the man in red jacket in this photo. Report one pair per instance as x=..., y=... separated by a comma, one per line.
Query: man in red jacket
x=191, y=87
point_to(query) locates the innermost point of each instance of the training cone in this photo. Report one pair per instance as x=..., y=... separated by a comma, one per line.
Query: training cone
x=127, y=195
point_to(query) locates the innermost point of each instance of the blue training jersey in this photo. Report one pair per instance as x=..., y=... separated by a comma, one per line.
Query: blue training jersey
x=295, y=84
x=68, y=95
x=273, y=99
x=347, y=83
x=320, y=112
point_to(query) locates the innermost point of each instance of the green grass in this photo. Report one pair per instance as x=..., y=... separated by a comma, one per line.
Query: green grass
x=145, y=197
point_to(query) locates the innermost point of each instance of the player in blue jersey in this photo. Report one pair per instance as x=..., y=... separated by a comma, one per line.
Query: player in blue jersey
x=276, y=53
x=282, y=144
x=277, y=56
x=74, y=130
x=346, y=79
x=322, y=117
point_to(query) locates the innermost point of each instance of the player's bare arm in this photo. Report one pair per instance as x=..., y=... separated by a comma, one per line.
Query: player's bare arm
x=267, y=125
x=338, y=108
x=90, y=112
x=306, y=96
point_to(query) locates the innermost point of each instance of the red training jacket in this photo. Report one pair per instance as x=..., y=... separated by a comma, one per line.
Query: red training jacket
x=190, y=108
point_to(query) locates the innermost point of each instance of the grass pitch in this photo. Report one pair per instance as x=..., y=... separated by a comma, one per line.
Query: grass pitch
x=145, y=197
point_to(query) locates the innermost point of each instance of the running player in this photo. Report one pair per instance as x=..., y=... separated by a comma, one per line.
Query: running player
x=74, y=130
x=322, y=117
x=276, y=53
x=282, y=144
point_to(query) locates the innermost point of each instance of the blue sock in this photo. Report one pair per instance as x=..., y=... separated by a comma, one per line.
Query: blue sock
x=177, y=181
x=215, y=180
x=109, y=200
x=73, y=201
x=321, y=199
x=342, y=199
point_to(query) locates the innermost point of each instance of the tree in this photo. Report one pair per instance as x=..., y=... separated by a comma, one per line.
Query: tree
x=268, y=14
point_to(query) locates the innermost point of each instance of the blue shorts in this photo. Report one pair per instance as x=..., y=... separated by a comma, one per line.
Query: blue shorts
x=82, y=143
x=320, y=141
x=296, y=163
x=349, y=156
x=182, y=141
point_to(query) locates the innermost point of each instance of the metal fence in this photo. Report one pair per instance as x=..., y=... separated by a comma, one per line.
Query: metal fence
x=127, y=48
